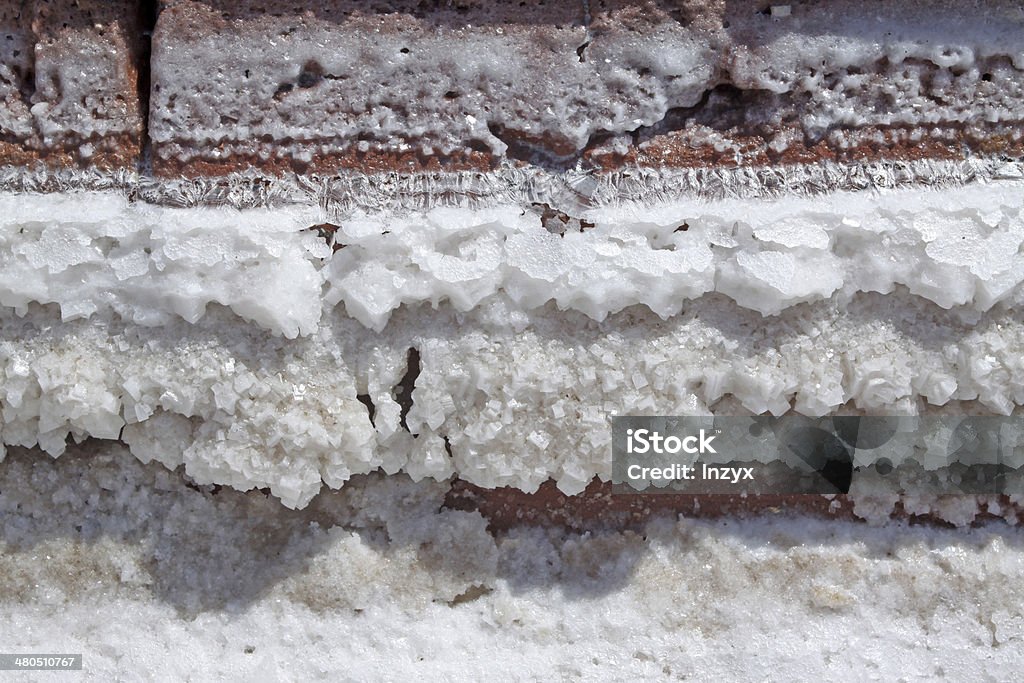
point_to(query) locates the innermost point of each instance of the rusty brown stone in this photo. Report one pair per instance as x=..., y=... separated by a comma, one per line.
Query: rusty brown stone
x=598, y=507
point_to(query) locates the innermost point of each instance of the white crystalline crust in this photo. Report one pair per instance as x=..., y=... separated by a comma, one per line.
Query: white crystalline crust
x=955, y=249
x=97, y=252
x=140, y=569
x=502, y=397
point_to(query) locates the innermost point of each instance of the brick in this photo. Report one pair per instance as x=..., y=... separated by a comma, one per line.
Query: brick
x=69, y=83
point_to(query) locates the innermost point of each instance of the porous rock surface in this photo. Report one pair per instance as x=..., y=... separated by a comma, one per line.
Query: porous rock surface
x=407, y=85
x=69, y=83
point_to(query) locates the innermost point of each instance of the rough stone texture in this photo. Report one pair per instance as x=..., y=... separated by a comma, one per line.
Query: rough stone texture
x=598, y=507
x=328, y=85
x=406, y=85
x=134, y=565
x=69, y=77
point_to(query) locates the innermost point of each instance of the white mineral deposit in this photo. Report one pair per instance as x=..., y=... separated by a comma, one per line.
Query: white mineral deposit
x=315, y=318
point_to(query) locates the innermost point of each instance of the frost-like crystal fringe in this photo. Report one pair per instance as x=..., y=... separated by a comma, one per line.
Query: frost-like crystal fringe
x=97, y=252
x=501, y=398
x=572, y=191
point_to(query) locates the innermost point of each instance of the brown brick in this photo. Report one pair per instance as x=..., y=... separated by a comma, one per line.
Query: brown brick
x=69, y=75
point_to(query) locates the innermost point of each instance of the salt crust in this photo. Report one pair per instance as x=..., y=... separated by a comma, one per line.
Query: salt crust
x=140, y=568
x=98, y=252
x=517, y=398
x=139, y=335
x=317, y=83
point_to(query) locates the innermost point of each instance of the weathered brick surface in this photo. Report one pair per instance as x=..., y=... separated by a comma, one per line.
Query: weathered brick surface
x=317, y=86
x=410, y=85
x=69, y=77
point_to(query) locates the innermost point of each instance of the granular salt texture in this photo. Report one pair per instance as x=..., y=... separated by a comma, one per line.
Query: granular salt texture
x=920, y=63
x=16, y=70
x=142, y=567
x=97, y=253
x=333, y=84
x=500, y=397
x=69, y=83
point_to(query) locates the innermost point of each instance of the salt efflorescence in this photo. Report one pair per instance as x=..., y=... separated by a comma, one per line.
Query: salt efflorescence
x=519, y=329
x=501, y=397
x=141, y=567
x=229, y=82
x=69, y=79
x=97, y=252
x=957, y=250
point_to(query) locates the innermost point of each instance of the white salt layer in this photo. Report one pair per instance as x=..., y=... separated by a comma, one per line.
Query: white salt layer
x=500, y=397
x=140, y=568
x=97, y=252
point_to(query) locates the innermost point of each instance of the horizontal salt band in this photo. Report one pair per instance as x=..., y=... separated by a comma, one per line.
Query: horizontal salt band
x=97, y=252
x=499, y=397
